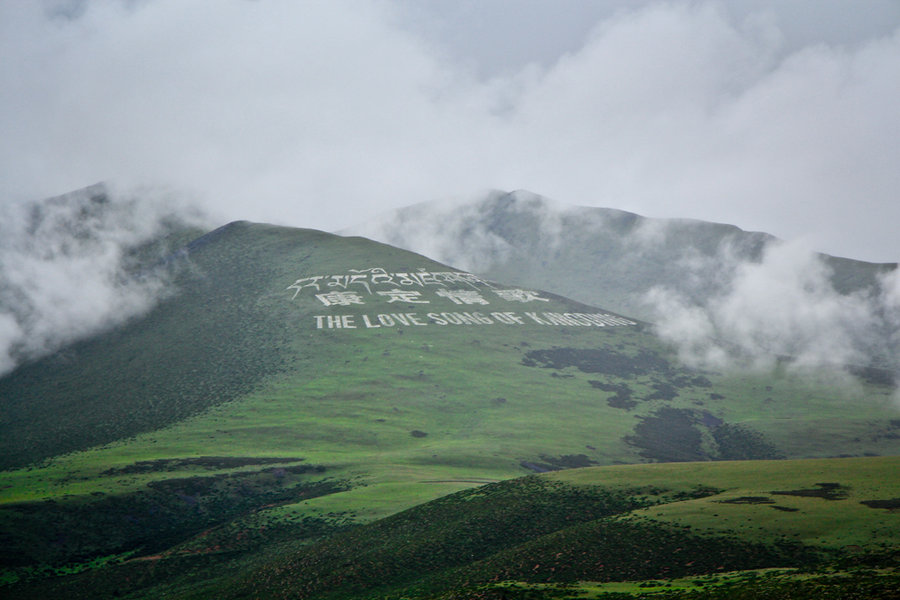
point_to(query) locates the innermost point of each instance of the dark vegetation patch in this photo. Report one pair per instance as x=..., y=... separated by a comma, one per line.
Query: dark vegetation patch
x=739, y=442
x=206, y=462
x=619, y=388
x=701, y=381
x=663, y=390
x=890, y=504
x=622, y=397
x=536, y=467
x=709, y=420
x=167, y=512
x=874, y=375
x=417, y=433
x=569, y=461
x=128, y=578
x=784, y=508
x=597, y=360
x=748, y=500
x=826, y=491
x=191, y=488
x=669, y=435
x=677, y=435
x=623, y=402
x=881, y=432
x=551, y=463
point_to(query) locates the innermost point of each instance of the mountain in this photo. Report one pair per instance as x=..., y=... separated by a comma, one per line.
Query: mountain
x=292, y=385
x=599, y=256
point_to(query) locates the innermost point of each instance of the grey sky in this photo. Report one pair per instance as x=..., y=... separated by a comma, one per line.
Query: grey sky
x=496, y=36
x=773, y=115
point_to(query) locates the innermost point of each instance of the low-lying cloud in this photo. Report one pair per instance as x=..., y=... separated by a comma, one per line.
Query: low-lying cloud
x=68, y=267
x=725, y=298
x=783, y=306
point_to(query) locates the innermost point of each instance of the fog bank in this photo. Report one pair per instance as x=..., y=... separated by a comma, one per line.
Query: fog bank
x=73, y=265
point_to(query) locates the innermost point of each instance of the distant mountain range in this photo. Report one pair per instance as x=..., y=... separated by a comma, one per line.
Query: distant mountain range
x=252, y=433
x=600, y=256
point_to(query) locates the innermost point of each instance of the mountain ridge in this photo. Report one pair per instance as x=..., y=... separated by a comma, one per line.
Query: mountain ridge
x=495, y=225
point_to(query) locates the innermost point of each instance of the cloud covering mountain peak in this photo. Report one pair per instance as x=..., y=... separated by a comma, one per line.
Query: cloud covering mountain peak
x=724, y=296
x=69, y=266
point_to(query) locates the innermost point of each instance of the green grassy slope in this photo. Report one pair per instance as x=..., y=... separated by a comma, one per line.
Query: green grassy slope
x=611, y=524
x=731, y=529
x=226, y=421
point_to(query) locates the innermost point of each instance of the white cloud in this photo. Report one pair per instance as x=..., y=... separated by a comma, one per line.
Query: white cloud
x=63, y=269
x=782, y=306
x=320, y=114
x=723, y=297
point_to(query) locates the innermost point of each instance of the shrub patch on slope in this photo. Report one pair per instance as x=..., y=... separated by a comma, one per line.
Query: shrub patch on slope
x=206, y=462
x=165, y=513
x=597, y=360
x=826, y=491
x=678, y=435
x=890, y=504
x=669, y=435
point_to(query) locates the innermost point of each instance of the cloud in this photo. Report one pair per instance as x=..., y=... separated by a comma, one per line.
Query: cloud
x=467, y=234
x=723, y=297
x=782, y=306
x=325, y=114
x=68, y=268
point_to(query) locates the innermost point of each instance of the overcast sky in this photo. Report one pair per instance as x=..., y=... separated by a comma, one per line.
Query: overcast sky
x=777, y=115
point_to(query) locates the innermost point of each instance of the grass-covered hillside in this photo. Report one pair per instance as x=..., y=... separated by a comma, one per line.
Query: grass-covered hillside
x=824, y=528
x=584, y=528
x=295, y=384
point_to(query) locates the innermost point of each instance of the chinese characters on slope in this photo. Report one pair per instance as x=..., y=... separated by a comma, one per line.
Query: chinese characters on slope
x=410, y=288
x=459, y=288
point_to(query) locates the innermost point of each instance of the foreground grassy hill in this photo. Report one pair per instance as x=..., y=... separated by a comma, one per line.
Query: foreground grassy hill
x=609, y=524
x=296, y=383
x=823, y=528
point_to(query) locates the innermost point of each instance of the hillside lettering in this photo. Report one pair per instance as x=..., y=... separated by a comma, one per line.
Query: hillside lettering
x=466, y=318
x=471, y=296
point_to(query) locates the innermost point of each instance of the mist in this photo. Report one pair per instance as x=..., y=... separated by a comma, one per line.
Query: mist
x=78, y=264
x=724, y=298
x=783, y=307
x=776, y=117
